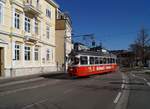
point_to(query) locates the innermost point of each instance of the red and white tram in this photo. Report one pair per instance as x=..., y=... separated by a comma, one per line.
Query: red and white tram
x=88, y=63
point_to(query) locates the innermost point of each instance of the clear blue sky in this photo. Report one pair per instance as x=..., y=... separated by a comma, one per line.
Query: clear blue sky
x=114, y=22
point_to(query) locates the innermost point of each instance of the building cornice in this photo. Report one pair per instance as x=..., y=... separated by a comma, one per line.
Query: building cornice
x=19, y=36
x=3, y=42
x=17, y=3
x=4, y=33
x=47, y=43
x=52, y=2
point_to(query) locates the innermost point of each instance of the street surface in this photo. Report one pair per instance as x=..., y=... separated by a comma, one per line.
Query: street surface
x=139, y=90
x=62, y=92
x=108, y=91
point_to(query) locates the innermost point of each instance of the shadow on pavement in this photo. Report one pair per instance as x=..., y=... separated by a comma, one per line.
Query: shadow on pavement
x=63, y=76
x=66, y=76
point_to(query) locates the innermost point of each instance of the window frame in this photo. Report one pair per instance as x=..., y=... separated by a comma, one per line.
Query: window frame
x=48, y=32
x=27, y=24
x=83, y=60
x=17, y=20
x=48, y=54
x=27, y=53
x=96, y=60
x=90, y=60
x=17, y=52
x=36, y=26
x=104, y=60
x=36, y=54
x=101, y=60
x=48, y=12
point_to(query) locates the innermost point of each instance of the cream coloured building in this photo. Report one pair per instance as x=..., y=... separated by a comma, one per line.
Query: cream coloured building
x=27, y=37
x=63, y=38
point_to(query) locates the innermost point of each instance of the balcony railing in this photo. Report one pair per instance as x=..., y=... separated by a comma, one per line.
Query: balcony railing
x=30, y=38
x=32, y=6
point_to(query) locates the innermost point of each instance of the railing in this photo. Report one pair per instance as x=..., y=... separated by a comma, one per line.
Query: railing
x=32, y=4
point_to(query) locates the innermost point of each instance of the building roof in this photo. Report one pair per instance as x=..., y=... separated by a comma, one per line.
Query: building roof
x=53, y=2
x=91, y=53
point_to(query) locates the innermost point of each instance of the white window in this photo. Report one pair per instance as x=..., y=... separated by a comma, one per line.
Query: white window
x=48, y=55
x=47, y=32
x=17, y=52
x=48, y=12
x=52, y=54
x=36, y=26
x=27, y=53
x=17, y=20
x=1, y=13
x=36, y=54
x=27, y=24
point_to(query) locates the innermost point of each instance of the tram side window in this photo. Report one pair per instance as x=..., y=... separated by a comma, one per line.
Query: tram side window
x=96, y=60
x=101, y=60
x=107, y=60
x=111, y=60
x=92, y=60
x=83, y=60
x=104, y=60
x=115, y=60
x=74, y=61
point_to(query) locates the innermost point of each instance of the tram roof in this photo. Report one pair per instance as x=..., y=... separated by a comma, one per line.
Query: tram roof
x=92, y=53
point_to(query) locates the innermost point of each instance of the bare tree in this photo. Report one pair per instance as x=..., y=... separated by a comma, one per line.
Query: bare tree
x=140, y=45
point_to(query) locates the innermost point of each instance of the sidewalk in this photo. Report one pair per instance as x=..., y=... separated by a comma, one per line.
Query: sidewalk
x=29, y=77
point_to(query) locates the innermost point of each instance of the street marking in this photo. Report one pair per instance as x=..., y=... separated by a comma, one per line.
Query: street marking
x=145, y=80
x=123, y=81
x=133, y=75
x=148, y=83
x=117, y=98
x=20, y=82
x=31, y=105
x=141, y=78
x=123, y=86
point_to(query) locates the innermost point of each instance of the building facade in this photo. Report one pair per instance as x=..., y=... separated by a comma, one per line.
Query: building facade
x=63, y=38
x=27, y=37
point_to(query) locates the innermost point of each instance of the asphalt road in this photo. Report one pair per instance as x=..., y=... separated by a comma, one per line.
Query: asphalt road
x=139, y=87
x=62, y=92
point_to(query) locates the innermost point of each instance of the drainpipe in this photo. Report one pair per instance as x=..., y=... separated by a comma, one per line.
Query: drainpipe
x=12, y=44
x=65, y=52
